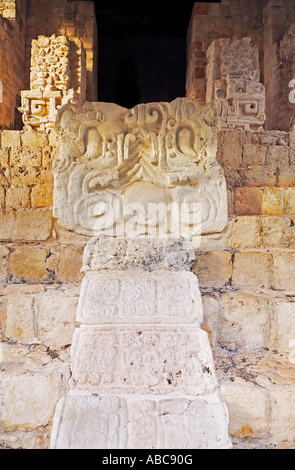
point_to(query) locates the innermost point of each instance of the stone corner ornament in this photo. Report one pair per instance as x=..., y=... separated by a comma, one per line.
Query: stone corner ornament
x=150, y=170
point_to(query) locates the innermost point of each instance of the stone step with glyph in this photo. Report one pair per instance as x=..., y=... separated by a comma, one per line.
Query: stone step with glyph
x=142, y=368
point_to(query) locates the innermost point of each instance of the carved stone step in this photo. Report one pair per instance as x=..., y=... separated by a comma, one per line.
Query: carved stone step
x=140, y=422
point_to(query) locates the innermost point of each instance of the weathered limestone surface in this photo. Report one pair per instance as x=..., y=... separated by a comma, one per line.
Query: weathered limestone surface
x=233, y=83
x=58, y=76
x=40, y=266
x=140, y=345
x=132, y=422
x=150, y=170
x=245, y=273
x=126, y=297
x=146, y=378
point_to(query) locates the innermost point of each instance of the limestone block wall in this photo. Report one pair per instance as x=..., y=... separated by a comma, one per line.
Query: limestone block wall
x=248, y=287
x=40, y=282
x=12, y=66
x=246, y=276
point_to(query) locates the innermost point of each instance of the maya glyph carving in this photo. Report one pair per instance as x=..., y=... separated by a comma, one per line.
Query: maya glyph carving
x=146, y=171
x=58, y=76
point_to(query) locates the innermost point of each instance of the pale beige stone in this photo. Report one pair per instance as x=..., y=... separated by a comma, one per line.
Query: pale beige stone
x=249, y=408
x=8, y=227
x=26, y=156
x=142, y=359
x=283, y=410
x=277, y=232
x=290, y=201
x=245, y=322
x=4, y=158
x=4, y=252
x=34, y=224
x=28, y=399
x=284, y=265
x=55, y=319
x=233, y=86
x=24, y=175
x=252, y=270
x=246, y=233
x=284, y=316
x=99, y=422
x=31, y=138
x=93, y=422
x=154, y=254
x=17, y=197
x=58, y=76
x=125, y=297
x=211, y=313
x=19, y=322
x=10, y=139
x=171, y=169
x=213, y=268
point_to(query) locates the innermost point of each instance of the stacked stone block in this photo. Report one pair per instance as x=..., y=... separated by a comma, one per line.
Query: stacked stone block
x=58, y=76
x=22, y=21
x=233, y=83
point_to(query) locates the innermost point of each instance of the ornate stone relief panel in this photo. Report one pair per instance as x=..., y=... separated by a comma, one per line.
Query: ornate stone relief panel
x=150, y=170
x=58, y=76
x=144, y=183
x=148, y=359
x=139, y=297
x=233, y=83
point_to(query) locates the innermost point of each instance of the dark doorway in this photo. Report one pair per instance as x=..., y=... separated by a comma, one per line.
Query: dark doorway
x=142, y=50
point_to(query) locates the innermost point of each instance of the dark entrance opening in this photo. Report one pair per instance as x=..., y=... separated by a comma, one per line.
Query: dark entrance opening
x=142, y=50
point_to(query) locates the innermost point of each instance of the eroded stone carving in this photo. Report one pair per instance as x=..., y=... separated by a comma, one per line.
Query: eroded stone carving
x=140, y=348
x=54, y=80
x=233, y=83
x=152, y=359
x=146, y=171
x=126, y=297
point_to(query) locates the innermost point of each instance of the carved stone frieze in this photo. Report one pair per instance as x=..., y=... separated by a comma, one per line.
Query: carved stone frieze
x=145, y=184
x=233, y=83
x=148, y=359
x=54, y=80
x=139, y=297
x=131, y=172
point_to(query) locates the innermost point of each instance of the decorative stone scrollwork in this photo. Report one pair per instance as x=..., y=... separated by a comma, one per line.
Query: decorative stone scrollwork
x=127, y=172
